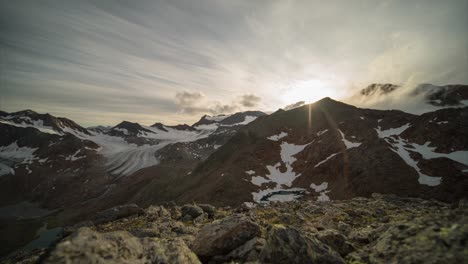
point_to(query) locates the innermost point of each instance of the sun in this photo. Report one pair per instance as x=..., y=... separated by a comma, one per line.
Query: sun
x=309, y=91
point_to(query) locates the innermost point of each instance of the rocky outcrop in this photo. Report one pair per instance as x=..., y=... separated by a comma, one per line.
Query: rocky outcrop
x=221, y=237
x=116, y=212
x=380, y=229
x=288, y=245
x=190, y=212
x=87, y=246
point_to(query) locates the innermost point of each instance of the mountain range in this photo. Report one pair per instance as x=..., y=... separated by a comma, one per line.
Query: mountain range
x=327, y=150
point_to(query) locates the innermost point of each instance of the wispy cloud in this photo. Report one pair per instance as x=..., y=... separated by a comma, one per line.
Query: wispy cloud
x=196, y=103
x=101, y=61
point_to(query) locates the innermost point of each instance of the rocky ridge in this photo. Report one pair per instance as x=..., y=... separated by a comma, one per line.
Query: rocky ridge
x=379, y=229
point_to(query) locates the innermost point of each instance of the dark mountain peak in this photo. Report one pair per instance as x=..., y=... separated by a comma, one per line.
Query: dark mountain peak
x=328, y=102
x=32, y=118
x=128, y=124
x=183, y=127
x=159, y=126
x=129, y=128
x=204, y=121
x=26, y=112
x=240, y=117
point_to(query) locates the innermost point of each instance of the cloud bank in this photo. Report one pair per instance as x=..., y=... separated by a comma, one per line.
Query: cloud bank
x=196, y=103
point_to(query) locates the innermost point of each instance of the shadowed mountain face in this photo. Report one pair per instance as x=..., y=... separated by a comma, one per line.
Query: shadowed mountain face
x=324, y=151
x=56, y=162
x=330, y=150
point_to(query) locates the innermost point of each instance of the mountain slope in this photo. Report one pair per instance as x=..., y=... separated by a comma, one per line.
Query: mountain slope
x=330, y=150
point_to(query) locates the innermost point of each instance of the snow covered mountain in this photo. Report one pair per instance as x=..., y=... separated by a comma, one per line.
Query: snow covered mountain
x=331, y=150
x=49, y=157
x=326, y=150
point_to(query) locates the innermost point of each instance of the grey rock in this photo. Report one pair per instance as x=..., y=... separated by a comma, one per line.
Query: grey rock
x=336, y=241
x=154, y=212
x=186, y=218
x=249, y=251
x=463, y=203
x=191, y=210
x=117, y=212
x=421, y=243
x=221, y=237
x=288, y=245
x=87, y=246
x=209, y=209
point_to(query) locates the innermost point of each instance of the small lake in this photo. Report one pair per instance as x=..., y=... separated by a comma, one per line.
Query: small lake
x=24, y=227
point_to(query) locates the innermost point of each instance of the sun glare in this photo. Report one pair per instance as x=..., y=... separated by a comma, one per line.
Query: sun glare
x=309, y=91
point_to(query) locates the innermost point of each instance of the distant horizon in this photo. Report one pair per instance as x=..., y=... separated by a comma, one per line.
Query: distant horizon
x=347, y=100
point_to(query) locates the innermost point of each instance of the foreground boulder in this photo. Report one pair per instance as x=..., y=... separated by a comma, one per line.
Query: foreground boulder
x=190, y=212
x=336, y=241
x=208, y=209
x=117, y=212
x=288, y=245
x=87, y=246
x=221, y=237
x=421, y=241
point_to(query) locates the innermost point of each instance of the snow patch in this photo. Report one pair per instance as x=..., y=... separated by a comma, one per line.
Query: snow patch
x=278, y=137
x=5, y=169
x=322, y=190
x=402, y=151
x=429, y=153
x=210, y=127
x=319, y=188
x=123, y=130
x=13, y=154
x=325, y=160
x=322, y=132
x=348, y=143
x=37, y=124
x=247, y=120
x=250, y=172
x=217, y=118
x=277, y=194
x=281, y=179
x=74, y=157
x=259, y=180
x=392, y=131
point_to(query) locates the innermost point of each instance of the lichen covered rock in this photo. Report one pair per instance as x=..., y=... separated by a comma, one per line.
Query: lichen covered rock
x=88, y=246
x=221, y=237
x=288, y=245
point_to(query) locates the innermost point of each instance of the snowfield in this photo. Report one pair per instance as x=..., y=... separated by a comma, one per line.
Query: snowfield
x=278, y=137
x=37, y=124
x=398, y=145
x=281, y=179
x=13, y=154
x=392, y=131
x=348, y=143
x=322, y=190
x=123, y=158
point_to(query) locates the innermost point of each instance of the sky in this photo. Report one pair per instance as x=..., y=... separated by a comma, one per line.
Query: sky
x=101, y=62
